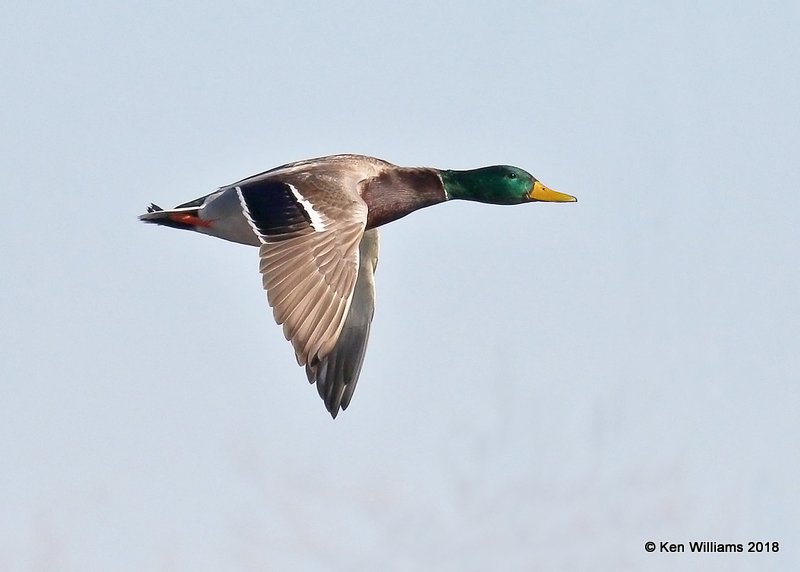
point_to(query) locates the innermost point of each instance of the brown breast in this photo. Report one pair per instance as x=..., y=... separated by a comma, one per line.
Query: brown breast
x=397, y=192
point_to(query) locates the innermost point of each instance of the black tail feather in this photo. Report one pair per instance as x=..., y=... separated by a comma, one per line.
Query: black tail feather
x=156, y=215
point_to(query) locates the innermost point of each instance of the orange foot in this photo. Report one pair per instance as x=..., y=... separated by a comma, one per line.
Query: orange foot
x=193, y=220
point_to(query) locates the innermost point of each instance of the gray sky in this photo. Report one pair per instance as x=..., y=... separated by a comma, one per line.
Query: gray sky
x=546, y=387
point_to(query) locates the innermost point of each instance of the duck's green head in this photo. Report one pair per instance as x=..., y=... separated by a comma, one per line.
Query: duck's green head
x=499, y=185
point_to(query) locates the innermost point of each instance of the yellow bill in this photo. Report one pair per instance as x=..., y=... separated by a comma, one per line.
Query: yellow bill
x=541, y=193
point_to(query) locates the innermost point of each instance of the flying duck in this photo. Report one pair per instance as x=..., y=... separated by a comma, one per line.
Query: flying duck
x=315, y=224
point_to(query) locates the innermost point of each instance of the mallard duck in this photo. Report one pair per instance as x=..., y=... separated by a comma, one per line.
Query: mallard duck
x=315, y=223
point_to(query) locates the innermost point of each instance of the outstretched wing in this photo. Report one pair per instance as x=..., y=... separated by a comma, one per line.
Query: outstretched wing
x=309, y=228
x=337, y=373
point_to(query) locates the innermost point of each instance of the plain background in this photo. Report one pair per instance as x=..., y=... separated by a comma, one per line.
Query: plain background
x=547, y=386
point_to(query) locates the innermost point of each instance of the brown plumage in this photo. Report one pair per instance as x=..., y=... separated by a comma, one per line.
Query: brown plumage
x=315, y=223
x=310, y=220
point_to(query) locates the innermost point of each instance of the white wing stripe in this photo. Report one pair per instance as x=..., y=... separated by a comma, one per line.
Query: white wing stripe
x=246, y=213
x=317, y=222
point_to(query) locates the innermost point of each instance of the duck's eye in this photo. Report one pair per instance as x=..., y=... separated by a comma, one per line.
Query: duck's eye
x=512, y=175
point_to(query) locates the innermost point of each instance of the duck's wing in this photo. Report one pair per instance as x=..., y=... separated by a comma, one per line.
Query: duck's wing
x=309, y=227
x=337, y=373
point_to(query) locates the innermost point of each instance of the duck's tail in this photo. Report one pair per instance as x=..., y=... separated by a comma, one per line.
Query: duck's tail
x=185, y=218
